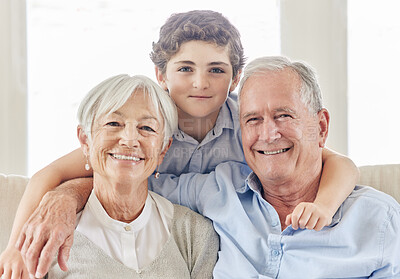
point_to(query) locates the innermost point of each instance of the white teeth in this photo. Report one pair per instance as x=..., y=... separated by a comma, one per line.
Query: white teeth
x=123, y=157
x=275, y=152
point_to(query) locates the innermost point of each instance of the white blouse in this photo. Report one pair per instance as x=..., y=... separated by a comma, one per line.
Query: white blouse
x=135, y=244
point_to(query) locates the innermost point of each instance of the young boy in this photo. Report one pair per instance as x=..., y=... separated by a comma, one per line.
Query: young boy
x=198, y=59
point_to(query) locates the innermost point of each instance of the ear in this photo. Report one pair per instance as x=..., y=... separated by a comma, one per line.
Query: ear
x=161, y=157
x=161, y=79
x=323, y=116
x=83, y=139
x=235, y=81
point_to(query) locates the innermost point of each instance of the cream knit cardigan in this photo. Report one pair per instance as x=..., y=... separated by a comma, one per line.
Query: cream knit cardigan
x=190, y=252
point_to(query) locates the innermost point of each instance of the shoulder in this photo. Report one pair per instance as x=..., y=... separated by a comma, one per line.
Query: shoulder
x=232, y=104
x=187, y=218
x=373, y=207
x=371, y=196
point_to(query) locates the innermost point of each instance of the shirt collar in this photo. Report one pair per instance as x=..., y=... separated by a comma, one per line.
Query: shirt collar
x=97, y=210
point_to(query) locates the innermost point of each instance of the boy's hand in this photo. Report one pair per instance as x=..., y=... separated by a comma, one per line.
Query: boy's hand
x=310, y=216
x=12, y=265
x=49, y=229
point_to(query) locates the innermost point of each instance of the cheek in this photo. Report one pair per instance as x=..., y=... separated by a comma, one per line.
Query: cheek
x=152, y=147
x=249, y=136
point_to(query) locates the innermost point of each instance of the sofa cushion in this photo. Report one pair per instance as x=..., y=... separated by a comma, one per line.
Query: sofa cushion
x=11, y=190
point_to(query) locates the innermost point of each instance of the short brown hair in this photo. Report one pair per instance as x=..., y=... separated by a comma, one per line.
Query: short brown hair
x=198, y=25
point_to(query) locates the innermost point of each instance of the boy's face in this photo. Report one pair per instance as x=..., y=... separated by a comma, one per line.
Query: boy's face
x=199, y=79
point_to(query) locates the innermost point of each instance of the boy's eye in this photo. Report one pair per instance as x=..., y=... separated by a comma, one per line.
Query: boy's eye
x=217, y=71
x=185, y=69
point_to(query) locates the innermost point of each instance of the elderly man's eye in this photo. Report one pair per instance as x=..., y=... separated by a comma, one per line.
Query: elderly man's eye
x=113, y=124
x=252, y=120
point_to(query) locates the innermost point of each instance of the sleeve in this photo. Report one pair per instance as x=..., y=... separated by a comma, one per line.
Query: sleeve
x=390, y=262
x=197, y=242
x=200, y=191
x=205, y=251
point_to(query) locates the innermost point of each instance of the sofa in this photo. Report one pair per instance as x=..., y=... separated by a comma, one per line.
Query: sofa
x=385, y=178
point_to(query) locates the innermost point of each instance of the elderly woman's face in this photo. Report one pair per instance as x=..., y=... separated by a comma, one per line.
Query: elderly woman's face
x=127, y=143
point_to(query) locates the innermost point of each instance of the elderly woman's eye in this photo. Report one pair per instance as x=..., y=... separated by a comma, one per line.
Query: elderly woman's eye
x=147, y=128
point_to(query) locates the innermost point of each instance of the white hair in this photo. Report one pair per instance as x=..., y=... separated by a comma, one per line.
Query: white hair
x=310, y=91
x=111, y=94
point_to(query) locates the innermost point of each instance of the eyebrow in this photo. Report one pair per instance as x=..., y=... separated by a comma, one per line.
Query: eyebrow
x=283, y=109
x=147, y=117
x=216, y=63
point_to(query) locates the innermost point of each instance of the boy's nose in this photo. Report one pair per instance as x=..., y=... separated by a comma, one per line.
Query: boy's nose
x=201, y=81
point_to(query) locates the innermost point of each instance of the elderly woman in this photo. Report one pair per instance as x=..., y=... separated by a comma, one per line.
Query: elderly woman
x=126, y=231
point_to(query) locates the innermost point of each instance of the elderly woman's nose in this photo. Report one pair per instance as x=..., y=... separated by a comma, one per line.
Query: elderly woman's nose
x=129, y=135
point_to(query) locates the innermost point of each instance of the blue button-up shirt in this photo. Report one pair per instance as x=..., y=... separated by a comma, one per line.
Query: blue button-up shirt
x=221, y=144
x=363, y=241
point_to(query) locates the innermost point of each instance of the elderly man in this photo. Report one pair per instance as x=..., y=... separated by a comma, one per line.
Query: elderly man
x=284, y=128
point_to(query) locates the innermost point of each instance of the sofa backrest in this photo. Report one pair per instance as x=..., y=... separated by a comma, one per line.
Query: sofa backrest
x=11, y=189
x=385, y=178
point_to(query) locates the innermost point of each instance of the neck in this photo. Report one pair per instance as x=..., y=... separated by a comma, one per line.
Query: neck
x=122, y=201
x=196, y=127
x=284, y=197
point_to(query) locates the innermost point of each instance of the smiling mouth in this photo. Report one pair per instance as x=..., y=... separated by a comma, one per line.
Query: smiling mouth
x=125, y=157
x=275, y=152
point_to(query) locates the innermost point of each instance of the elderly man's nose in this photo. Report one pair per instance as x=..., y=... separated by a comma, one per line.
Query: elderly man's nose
x=269, y=131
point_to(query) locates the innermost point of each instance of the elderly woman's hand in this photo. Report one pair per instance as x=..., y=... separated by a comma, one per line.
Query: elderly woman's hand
x=49, y=229
x=11, y=264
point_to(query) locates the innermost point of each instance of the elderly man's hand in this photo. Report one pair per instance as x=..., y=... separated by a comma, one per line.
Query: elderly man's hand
x=49, y=229
x=12, y=265
x=310, y=216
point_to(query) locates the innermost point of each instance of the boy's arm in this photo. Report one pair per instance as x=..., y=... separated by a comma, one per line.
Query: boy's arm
x=338, y=179
x=65, y=168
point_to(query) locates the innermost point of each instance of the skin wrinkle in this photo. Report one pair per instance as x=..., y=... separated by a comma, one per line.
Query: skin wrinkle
x=133, y=130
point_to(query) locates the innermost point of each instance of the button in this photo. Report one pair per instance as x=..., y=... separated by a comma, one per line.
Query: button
x=275, y=253
x=138, y=271
x=128, y=228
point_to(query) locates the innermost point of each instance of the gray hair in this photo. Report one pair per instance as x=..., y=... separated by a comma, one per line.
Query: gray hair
x=111, y=94
x=310, y=91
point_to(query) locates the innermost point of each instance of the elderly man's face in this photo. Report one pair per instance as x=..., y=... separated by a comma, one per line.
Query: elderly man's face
x=281, y=139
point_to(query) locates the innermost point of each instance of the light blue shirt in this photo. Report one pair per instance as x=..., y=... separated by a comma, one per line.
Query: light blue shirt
x=222, y=144
x=363, y=240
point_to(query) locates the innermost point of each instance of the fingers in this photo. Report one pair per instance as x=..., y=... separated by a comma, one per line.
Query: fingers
x=63, y=253
x=11, y=264
x=49, y=252
x=295, y=216
x=307, y=216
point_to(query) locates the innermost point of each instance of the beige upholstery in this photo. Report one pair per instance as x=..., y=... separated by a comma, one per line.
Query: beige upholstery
x=11, y=189
x=383, y=177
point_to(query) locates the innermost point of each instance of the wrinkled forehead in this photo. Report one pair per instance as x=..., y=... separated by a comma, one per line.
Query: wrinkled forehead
x=139, y=104
x=267, y=84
